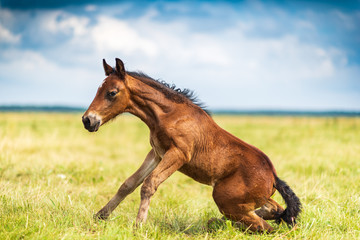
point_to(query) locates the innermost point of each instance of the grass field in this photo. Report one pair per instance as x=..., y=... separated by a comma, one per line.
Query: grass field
x=54, y=176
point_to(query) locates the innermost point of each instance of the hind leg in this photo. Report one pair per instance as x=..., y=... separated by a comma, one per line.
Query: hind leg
x=238, y=201
x=270, y=210
x=246, y=219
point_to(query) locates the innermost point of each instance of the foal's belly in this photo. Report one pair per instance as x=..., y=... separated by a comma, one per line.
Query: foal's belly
x=197, y=173
x=208, y=168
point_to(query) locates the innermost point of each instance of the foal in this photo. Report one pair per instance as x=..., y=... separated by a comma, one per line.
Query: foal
x=185, y=138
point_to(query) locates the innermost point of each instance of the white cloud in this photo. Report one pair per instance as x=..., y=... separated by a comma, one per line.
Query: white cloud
x=350, y=22
x=28, y=77
x=306, y=25
x=62, y=22
x=90, y=8
x=7, y=36
x=177, y=7
x=111, y=34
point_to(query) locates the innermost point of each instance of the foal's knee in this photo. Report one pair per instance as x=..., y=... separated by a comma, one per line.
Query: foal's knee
x=147, y=189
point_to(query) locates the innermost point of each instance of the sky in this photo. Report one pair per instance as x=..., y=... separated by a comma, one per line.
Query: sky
x=239, y=55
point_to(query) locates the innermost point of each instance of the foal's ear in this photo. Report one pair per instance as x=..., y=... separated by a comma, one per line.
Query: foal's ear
x=120, y=69
x=107, y=68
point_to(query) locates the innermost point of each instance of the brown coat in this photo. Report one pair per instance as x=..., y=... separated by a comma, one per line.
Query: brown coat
x=185, y=138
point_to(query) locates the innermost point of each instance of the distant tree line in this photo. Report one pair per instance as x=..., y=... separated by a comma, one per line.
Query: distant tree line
x=65, y=109
x=16, y=108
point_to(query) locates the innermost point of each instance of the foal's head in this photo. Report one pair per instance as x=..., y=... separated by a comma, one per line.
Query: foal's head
x=111, y=99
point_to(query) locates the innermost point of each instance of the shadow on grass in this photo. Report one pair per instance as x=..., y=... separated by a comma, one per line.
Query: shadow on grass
x=201, y=226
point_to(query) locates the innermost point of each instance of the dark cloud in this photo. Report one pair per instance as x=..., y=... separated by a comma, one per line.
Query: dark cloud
x=50, y=4
x=345, y=5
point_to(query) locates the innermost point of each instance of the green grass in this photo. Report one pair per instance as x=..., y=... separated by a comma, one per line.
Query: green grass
x=54, y=176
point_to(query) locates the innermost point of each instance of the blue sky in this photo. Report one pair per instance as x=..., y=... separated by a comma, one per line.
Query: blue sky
x=294, y=55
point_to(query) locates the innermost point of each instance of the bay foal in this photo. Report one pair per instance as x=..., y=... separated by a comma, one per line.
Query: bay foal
x=185, y=138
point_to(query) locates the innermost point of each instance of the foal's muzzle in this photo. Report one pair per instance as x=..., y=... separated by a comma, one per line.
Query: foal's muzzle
x=91, y=123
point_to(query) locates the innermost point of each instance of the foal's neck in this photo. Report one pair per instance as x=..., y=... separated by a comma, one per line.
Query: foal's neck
x=147, y=103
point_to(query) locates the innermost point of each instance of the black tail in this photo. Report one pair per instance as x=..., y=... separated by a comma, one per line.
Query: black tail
x=292, y=202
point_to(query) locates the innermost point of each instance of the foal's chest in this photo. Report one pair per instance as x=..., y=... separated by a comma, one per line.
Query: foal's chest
x=158, y=145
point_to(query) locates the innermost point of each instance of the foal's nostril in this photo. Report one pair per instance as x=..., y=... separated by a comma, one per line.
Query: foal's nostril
x=91, y=122
x=86, y=122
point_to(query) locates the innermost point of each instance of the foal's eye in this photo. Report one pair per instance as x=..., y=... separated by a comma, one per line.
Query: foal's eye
x=112, y=93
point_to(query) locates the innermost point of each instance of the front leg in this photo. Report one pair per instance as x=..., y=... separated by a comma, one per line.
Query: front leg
x=151, y=161
x=171, y=162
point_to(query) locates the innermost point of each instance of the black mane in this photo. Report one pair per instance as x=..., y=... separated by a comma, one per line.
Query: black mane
x=169, y=90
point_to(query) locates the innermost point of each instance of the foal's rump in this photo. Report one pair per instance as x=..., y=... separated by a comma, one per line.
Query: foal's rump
x=246, y=160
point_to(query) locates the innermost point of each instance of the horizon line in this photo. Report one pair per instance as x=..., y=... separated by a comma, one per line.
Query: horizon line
x=216, y=111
